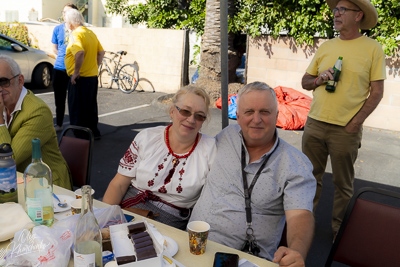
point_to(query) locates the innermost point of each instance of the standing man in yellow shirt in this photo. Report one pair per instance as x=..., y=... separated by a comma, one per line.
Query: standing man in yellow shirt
x=335, y=120
x=83, y=56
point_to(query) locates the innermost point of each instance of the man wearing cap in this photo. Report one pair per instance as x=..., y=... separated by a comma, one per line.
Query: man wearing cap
x=335, y=120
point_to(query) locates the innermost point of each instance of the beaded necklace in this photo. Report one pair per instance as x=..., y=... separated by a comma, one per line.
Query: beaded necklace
x=175, y=163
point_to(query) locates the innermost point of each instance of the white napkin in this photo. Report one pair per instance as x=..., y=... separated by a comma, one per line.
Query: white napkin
x=12, y=219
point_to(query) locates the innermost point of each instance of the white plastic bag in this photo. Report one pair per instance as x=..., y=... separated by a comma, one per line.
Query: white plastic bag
x=41, y=246
x=105, y=217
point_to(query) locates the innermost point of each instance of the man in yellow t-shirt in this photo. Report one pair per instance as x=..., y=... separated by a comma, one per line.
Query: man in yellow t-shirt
x=83, y=56
x=334, y=124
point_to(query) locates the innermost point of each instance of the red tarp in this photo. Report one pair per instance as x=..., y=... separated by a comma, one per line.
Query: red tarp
x=218, y=103
x=293, y=108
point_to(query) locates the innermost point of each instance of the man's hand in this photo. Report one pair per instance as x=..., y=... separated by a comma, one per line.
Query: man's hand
x=288, y=257
x=74, y=77
x=2, y=120
x=352, y=127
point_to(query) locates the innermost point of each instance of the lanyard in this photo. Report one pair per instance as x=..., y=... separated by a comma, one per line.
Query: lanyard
x=248, y=190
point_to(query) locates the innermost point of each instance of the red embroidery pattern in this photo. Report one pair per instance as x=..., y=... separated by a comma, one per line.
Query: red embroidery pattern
x=130, y=158
x=175, y=163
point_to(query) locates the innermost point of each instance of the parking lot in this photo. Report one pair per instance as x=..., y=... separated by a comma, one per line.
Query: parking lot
x=121, y=116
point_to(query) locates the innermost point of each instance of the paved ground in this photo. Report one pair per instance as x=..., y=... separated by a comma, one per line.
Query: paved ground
x=122, y=116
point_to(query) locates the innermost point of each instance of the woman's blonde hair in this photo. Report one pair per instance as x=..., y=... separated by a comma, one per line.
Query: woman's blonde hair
x=193, y=90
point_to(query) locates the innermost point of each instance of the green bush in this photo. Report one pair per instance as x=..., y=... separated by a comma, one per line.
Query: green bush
x=300, y=19
x=18, y=32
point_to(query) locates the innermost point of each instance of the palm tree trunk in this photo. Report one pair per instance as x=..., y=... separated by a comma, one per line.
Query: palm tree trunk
x=210, y=55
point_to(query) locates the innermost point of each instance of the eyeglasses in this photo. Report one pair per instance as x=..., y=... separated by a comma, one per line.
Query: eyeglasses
x=5, y=82
x=187, y=113
x=343, y=10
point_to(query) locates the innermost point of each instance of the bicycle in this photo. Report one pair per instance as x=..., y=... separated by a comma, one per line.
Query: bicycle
x=126, y=77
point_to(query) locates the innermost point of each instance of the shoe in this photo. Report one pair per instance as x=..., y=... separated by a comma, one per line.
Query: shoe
x=58, y=128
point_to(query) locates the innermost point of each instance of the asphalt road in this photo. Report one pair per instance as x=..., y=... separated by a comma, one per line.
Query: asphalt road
x=121, y=116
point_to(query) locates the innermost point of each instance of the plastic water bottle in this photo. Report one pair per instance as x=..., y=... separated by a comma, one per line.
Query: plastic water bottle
x=8, y=175
x=39, y=188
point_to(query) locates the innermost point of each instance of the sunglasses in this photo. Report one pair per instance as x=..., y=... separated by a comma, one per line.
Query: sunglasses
x=5, y=82
x=187, y=113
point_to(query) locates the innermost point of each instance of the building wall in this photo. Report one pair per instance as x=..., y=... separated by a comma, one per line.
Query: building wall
x=21, y=7
x=52, y=9
x=282, y=62
x=159, y=53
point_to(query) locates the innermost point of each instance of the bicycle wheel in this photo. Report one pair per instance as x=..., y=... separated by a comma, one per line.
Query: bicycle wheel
x=128, y=78
x=105, y=79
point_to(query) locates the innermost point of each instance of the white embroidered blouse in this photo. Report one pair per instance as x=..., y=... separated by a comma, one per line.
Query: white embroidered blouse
x=149, y=162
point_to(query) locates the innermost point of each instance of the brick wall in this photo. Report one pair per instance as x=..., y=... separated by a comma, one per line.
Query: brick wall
x=282, y=62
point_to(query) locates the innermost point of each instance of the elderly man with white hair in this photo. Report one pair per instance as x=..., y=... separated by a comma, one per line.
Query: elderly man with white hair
x=23, y=117
x=83, y=56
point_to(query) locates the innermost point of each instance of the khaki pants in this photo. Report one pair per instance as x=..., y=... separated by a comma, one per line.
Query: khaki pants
x=321, y=139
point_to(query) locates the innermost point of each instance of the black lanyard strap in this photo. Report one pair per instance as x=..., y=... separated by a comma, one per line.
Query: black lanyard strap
x=248, y=190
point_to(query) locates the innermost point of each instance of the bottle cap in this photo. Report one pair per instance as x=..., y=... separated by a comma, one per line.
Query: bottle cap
x=6, y=150
x=36, y=153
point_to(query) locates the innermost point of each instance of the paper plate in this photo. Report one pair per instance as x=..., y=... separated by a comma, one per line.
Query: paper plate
x=171, y=247
x=63, y=198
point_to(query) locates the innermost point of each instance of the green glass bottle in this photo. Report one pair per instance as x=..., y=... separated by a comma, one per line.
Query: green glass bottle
x=331, y=85
x=38, y=187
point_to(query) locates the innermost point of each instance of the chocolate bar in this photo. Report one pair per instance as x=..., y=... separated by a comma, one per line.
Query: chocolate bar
x=142, y=239
x=143, y=244
x=139, y=235
x=125, y=259
x=146, y=253
x=136, y=228
x=144, y=249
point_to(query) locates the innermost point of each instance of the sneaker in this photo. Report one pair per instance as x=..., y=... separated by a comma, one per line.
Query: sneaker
x=58, y=128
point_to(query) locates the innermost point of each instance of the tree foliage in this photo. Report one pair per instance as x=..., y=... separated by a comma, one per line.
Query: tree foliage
x=18, y=32
x=301, y=19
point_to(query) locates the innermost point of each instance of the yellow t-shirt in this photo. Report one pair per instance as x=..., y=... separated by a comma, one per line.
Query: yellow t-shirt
x=83, y=39
x=363, y=62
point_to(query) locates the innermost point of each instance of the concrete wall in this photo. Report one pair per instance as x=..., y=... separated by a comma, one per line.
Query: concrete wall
x=282, y=62
x=159, y=53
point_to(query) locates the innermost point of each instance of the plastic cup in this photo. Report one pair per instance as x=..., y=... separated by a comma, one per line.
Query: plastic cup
x=78, y=193
x=198, y=234
x=76, y=206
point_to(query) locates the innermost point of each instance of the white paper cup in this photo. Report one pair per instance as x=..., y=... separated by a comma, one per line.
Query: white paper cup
x=76, y=206
x=78, y=193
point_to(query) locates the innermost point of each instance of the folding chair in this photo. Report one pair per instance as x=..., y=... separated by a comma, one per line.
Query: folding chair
x=77, y=152
x=370, y=232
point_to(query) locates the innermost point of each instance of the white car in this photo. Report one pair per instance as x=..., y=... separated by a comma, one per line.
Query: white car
x=36, y=65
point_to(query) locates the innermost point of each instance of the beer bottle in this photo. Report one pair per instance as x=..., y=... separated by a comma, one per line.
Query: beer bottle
x=331, y=85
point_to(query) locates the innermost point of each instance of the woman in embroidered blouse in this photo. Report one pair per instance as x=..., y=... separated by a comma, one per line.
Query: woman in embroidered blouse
x=165, y=168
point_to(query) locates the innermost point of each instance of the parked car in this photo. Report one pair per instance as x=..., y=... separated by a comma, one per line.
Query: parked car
x=36, y=65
